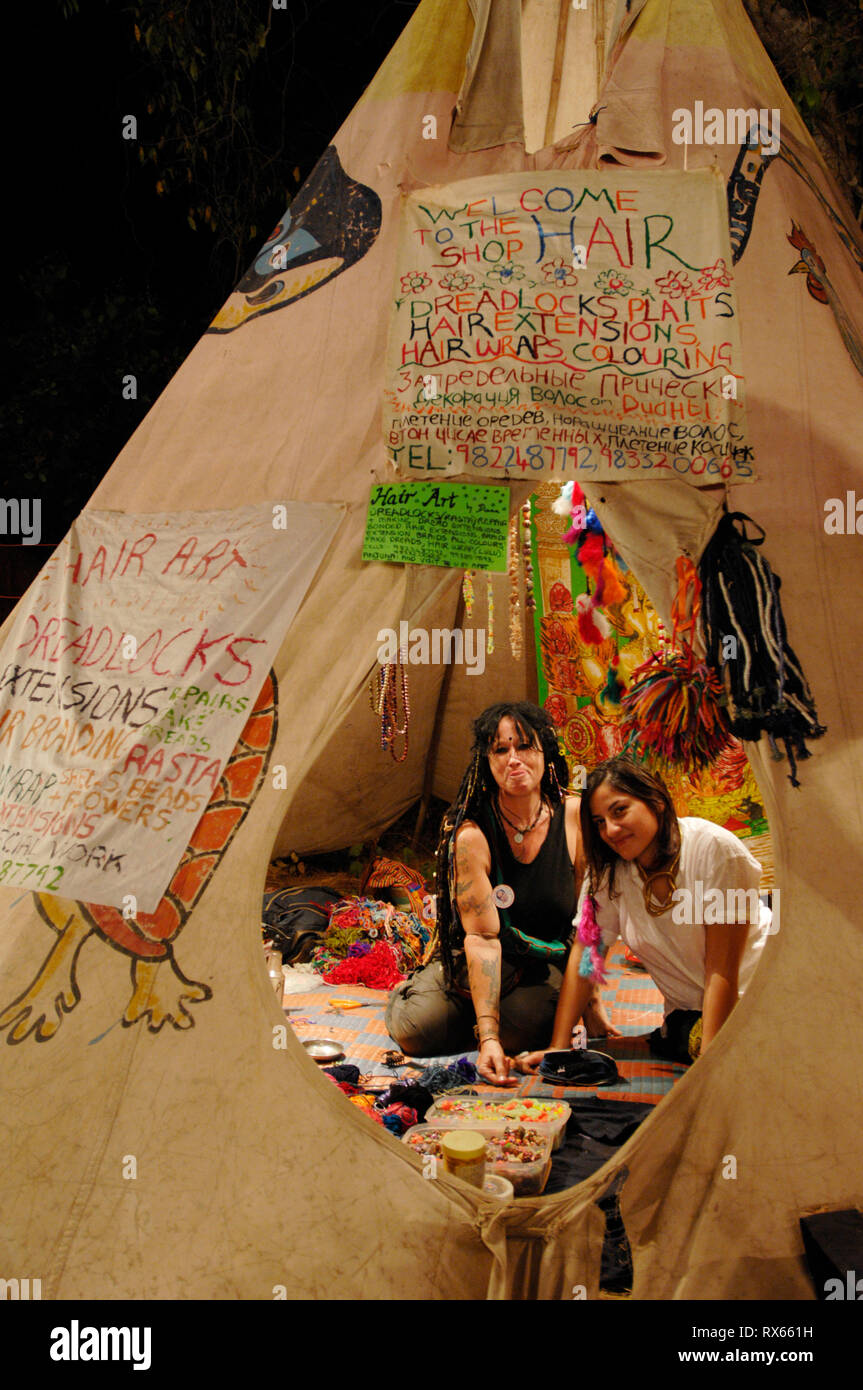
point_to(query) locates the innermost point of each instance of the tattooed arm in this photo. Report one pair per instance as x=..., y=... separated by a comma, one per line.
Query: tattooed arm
x=481, y=925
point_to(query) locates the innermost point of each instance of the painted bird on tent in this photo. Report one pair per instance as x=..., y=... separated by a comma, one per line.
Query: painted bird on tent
x=821, y=289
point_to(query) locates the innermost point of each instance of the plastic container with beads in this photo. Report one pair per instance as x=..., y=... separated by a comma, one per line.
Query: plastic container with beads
x=521, y=1155
x=475, y=1112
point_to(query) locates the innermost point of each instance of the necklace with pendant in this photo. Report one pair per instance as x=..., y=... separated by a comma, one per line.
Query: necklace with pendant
x=521, y=831
x=654, y=904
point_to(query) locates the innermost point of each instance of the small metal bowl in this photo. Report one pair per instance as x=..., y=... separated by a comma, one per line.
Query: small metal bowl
x=323, y=1050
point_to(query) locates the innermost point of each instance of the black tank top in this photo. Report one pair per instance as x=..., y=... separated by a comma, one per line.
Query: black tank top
x=545, y=898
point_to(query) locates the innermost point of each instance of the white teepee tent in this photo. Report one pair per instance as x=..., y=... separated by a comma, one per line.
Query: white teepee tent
x=282, y=401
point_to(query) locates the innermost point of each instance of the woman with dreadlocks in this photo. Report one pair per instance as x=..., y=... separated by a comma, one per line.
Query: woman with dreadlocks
x=682, y=894
x=508, y=869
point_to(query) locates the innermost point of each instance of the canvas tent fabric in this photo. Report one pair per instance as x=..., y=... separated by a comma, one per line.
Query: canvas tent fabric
x=194, y=1097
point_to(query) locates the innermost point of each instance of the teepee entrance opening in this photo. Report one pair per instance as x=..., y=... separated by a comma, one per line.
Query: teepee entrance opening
x=349, y=924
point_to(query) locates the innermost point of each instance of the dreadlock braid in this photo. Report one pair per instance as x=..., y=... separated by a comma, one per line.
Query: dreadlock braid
x=477, y=792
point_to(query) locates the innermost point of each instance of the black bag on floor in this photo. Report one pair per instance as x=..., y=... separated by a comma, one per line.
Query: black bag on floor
x=295, y=919
x=673, y=1042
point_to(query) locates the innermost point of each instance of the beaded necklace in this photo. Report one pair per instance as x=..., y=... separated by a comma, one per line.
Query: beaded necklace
x=384, y=702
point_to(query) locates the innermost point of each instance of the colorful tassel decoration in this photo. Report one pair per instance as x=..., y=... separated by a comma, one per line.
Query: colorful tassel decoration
x=591, y=966
x=591, y=553
x=613, y=588
x=614, y=689
x=593, y=626
x=672, y=713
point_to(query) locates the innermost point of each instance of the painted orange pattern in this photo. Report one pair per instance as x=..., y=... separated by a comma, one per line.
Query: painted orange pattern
x=161, y=992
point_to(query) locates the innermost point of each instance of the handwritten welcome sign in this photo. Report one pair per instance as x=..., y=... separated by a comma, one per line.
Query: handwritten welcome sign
x=571, y=322
x=126, y=681
x=452, y=524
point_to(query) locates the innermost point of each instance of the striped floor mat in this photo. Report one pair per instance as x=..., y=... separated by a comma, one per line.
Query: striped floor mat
x=633, y=1002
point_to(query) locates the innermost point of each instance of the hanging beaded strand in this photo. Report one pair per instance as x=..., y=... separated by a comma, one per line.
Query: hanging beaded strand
x=515, y=630
x=377, y=699
x=527, y=558
x=489, y=591
x=384, y=699
x=400, y=668
x=467, y=591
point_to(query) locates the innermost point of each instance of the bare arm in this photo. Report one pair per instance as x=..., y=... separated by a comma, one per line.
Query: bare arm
x=481, y=924
x=573, y=840
x=575, y=995
x=723, y=950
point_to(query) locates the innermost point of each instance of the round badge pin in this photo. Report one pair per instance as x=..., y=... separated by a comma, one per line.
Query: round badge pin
x=503, y=895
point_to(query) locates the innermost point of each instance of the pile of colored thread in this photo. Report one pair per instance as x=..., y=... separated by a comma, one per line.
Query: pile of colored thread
x=363, y=921
x=377, y=968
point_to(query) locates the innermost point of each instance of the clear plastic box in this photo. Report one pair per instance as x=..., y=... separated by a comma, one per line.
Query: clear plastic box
x=528, y=1179
x=480, y=1111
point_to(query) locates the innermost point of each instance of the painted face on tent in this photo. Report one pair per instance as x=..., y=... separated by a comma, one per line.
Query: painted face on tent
x=626, y=824
x=517, y=763
x=331, y=224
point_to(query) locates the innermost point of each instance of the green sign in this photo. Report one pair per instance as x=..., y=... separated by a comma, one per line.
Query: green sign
x=459, y=525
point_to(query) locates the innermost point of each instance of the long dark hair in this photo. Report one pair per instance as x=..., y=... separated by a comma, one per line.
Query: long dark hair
x=633, y=779
x=476, y=794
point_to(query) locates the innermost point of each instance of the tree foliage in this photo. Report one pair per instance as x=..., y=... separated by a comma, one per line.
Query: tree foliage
x=817, y=49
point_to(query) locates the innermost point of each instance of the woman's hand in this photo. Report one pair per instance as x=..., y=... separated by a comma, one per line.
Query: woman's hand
x=596, y=1020
x=527, y=1062
x=493, y=1063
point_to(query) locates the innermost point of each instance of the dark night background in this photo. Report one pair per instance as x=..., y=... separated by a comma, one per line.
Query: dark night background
x=122, y=251
x=108, y=275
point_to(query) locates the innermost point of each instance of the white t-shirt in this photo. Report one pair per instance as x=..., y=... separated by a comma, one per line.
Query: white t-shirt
x=671, y=946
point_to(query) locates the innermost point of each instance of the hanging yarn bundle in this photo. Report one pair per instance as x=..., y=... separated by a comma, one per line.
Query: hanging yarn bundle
x=673, y=712
x=745, y=638
x=384, y=699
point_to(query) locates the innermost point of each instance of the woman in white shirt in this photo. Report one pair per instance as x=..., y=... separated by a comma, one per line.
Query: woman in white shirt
x=681, y=893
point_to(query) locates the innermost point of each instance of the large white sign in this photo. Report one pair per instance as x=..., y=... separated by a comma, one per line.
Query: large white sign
x=567, y=323
x=126, y=681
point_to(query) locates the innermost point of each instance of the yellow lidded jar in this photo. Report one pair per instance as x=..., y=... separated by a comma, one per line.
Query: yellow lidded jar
x=464, y=1155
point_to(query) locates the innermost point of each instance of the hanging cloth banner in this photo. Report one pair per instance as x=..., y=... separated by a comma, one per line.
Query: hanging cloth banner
x=125, y=683
x=571, y=322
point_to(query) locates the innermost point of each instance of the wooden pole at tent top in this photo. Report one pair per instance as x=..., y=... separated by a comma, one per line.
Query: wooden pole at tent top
x=557, y=71
x=434, y=741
